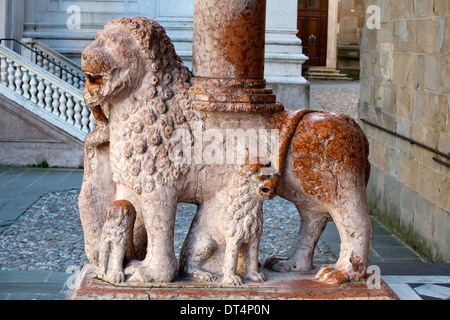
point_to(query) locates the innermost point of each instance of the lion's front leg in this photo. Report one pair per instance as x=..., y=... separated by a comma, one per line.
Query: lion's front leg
x=252, y=271
x=160, y=264
x=230, y=263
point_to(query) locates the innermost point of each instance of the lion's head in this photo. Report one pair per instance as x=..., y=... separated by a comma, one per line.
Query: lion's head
x=122, y=56
x=139, y=84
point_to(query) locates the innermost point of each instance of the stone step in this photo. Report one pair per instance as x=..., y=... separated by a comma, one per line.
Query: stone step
x=324, y=70
x=327, y=77
x=327, y=74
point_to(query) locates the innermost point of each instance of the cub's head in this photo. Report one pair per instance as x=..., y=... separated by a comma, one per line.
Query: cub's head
x=262, y=186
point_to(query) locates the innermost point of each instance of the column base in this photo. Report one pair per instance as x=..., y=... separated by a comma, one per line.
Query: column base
x=233, y=95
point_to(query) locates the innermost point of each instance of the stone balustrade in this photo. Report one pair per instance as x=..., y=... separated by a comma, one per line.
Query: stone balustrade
x=61, y=67
x=47, y=92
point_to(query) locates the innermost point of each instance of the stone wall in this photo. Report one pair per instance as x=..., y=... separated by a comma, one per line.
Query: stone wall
x=27, y=139
x=405, y=88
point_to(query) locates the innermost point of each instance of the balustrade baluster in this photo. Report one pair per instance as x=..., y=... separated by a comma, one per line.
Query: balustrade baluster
x=85, y=118
x=18, y=80
x=39, y=60
x=26, y=83
x=63, y=75
x=63, y=106
x=48, y=97
x=3, y=71
x=70, y=109
x=55, y=103
x=11, y=76
x=91, y=121
x=41, y=92
x=33, y=88
x=51, y=66
x=77, y=115
x=45, y=64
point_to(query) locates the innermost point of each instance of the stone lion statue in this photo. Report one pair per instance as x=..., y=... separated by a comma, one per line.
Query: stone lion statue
x=228, y=225
x=138, y=91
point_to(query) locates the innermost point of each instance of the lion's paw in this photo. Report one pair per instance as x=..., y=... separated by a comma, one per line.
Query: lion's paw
x=232, y=280
x=256, y=276
x=139, y=271
x=203, y=276
x=285, y=264
x=115, y=276
x=331, y=275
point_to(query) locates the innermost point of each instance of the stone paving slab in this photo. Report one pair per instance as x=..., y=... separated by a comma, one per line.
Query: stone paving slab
x=20, y=187
x=37, y=285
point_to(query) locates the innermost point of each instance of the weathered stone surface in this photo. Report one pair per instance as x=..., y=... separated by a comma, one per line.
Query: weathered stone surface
x=229, y=39
x=153, y=149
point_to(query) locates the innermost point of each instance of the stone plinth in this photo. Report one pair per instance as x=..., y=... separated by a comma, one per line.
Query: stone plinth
x=279, y=286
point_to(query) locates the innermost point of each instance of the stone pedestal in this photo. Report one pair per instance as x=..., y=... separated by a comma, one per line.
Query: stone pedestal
x=278, y=286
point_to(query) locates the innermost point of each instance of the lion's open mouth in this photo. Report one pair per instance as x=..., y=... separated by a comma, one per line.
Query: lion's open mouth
x=95, y=79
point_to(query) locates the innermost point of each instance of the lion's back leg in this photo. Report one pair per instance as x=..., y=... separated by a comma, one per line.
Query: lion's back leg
x=300, y=256
x=328, y=163
x=355, y=228
x=199, y=246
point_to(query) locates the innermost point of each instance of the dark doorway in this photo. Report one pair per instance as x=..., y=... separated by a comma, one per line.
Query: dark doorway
x=312, y=24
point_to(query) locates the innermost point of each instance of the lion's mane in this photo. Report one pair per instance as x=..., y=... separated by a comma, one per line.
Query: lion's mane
x=150, y=126
x=243, y=216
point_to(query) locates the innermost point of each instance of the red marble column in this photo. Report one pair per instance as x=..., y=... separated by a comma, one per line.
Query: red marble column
x=229, y=39
x=228, y=57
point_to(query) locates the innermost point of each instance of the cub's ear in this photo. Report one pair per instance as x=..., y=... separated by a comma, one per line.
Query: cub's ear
x=250, y=169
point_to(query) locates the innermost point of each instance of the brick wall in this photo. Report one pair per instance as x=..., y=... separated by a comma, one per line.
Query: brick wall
x=405, y=75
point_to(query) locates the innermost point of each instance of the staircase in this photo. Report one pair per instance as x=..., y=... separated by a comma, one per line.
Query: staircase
x=48, y=85
x=325, y=74
x=54, y=62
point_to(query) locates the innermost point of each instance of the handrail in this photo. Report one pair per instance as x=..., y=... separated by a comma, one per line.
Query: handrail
x=45, y=58
x=413, y=142
x=55, y=55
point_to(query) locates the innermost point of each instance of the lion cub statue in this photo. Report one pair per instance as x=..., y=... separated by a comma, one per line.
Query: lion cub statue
x=225, y=234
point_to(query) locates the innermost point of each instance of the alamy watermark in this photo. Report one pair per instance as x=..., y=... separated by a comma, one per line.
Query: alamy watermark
x=374, y=280
x=374, y=20
x=225, y=146
x=74, y=20
x=71, y=280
